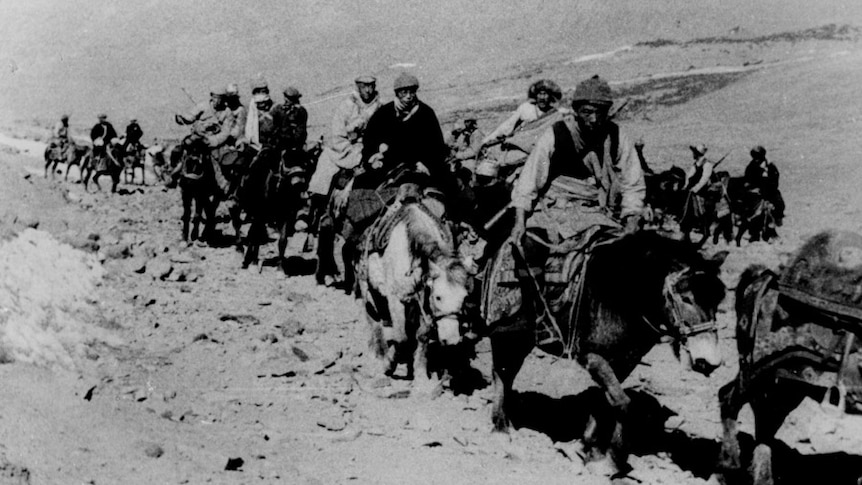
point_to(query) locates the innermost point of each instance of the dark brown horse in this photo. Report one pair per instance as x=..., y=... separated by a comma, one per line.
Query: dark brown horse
x=636, y=290
x=197, y=184
x=106, y=160
x=794, y=342
x=272, y=191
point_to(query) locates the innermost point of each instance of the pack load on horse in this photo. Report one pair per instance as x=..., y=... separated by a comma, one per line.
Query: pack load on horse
x=798, y=334
x=585, y=283
x=414, y=286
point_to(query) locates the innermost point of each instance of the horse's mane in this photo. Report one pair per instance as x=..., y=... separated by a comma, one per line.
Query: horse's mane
x=629, y=273
x=430, y=241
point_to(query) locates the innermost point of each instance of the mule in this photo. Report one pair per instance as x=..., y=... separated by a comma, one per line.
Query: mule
x=664, y=195
x=196, y=182
x=760, y=218
x=791, y=346
x=272, y=191
x=108, y=162
x=74, y=155
x=414, y=288
x=635, y=290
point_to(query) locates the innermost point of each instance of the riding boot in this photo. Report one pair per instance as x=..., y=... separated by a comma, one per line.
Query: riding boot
x=325, y=250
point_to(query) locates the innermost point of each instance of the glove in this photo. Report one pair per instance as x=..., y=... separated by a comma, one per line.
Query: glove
x=376, y=161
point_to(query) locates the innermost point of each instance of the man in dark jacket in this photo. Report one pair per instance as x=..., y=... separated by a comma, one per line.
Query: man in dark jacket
x=761, y=176
x=101, y=135
x=134, y=133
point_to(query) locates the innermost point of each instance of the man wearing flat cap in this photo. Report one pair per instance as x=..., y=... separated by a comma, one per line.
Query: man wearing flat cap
x=584, y=170
x=102, y=134
x=403, y=139
x=341, y=154
x=290, y=119
x=134, y=133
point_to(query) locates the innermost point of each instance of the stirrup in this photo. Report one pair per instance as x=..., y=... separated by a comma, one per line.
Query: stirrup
x=841, y=406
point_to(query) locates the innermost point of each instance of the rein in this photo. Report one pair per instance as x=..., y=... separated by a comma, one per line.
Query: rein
x=678, y=324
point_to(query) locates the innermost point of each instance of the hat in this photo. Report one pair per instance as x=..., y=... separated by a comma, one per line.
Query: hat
x=258, y=82
x=232, y=89
x=292, y=92
x=366, y=80
x=133, y=120
x=546, y=85
x=261, y=97
x=699, y=149
x=102, y=116
x=487, y=168
x=758, y=152
x=404, y=81
x=594, y=90
x=64, y=117
x=470, y=119
x=218, y=91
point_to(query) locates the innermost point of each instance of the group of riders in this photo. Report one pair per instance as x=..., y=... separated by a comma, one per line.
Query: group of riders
x=108, y=148
x=582, y=169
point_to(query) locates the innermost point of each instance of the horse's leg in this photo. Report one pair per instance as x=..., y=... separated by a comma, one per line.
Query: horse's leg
x=732, y=399
x=253, y=242
x=200, y=205
x=396, y=337
x=282, y=243
x=510, y=345
x=604, y=375
x=210, y=207
x=743, y=228
x=236, y=221
x=187, y=212
x=115, y=180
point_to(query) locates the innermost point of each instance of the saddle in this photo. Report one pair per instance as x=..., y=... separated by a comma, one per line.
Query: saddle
x=561, y=286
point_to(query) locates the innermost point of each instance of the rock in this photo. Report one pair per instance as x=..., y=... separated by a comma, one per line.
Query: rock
x=137, y=265
x=153, y=450
x=234, y=464
x=269, y=338
x=291, y=328
x=116, y=251
x=332, y=423
x=159, y=268
x=183, y=257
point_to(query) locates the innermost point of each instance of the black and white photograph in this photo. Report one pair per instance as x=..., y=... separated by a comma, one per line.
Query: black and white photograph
x=432, y=242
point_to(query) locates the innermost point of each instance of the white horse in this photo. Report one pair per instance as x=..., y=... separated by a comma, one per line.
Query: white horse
x=413, y=286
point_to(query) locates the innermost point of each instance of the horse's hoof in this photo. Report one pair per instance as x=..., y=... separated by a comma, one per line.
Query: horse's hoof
x=604, y=467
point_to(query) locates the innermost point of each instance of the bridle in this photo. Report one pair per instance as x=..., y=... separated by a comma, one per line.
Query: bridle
x=679, y=327
x=429, y=317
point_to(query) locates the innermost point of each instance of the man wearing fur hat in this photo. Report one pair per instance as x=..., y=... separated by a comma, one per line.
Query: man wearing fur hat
x=583, y=172
x=542, y=97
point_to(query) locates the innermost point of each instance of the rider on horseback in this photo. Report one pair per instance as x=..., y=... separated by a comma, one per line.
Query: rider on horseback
x=60, y=138
x=403, y=143
x=584, y=169
x=134, y=133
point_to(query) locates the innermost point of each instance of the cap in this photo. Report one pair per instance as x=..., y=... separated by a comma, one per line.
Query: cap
x=133, y=120
x=64, y=117
x=232, y=89
x=758, y=152
x=102, y=116
x=218, y=91
x=594, y=90
x=292, y=92
x=404, y=81
x=366, y=80
x=699, y=149
x=550, y=87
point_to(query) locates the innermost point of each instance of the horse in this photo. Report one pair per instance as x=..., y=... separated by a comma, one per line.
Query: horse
x=74, y=155
x=797, y=335
x=132, y=160
x=108, y=161
x=196, y=181
x=663, y=194
x=272, y=191
x=634, y=290
x=414, y=287
x=759, y=217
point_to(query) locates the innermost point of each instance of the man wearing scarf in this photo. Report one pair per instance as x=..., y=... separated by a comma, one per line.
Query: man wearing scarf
x=403, y=143
x=340, y=156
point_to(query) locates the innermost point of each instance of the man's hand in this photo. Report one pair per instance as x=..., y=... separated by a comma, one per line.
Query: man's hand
x=631, y=224
x=520, y=227
x=376, y=161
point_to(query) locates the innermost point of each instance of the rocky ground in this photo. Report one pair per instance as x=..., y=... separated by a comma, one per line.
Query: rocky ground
x=130, y=358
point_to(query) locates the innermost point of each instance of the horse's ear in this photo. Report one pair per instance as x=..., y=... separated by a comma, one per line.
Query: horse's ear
x=718, y=258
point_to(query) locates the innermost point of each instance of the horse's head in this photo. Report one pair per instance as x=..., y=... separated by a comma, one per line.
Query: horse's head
x=446, y=287
x=692, y=296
